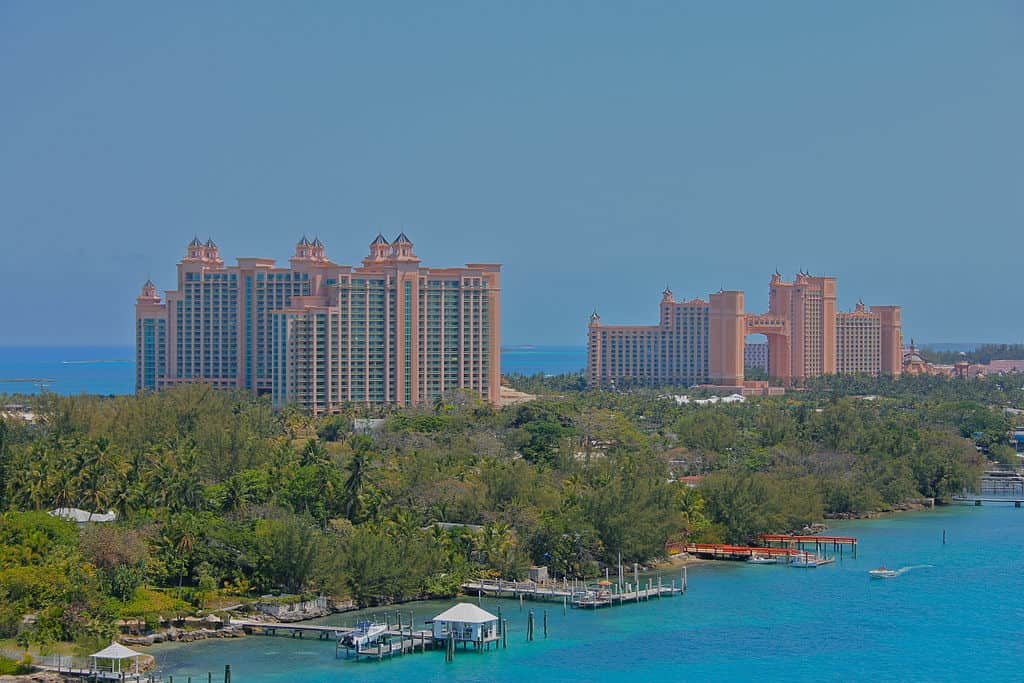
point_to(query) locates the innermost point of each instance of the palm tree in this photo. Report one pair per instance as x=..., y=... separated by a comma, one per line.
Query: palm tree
x=183, y=535
x=314, y=453
x=357, y=470
x=236, y=495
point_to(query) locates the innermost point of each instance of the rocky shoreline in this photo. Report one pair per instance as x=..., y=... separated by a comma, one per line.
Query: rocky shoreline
x=176, y=635
x=910, y=506
x=36, y=677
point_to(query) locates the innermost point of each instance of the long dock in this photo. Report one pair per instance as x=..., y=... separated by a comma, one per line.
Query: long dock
x=408, y=639
x=92, y=675
x=270, y=628
x=838, y=543
x=575, y=593
x=978, y=500
x=722, y=551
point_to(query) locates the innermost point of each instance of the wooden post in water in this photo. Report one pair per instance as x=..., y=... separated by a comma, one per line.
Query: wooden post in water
x=227, y=673
x=504, y=634
x=684, y=578
x=565, y=603
x=620, y=573
x=943, y=537
x=529, y=626
x=545, y=623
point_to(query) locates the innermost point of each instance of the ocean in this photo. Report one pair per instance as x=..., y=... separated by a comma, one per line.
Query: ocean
x=111, y=369
x=956, y=614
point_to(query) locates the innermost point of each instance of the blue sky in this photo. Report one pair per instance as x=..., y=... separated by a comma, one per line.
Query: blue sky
x=598, y=150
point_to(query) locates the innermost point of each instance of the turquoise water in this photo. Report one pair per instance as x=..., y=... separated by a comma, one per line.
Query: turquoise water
x=111, y=369
x=961, y=618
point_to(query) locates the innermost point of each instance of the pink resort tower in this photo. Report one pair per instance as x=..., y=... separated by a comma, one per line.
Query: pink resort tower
x=317, y=334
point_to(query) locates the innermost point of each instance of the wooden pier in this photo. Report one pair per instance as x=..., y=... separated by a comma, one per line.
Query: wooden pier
x=394, y=641
x=978, y=500
x=838, y=543
x=295, y=630
x=408, y=641
x=93, y=675
x=576, y=594
x=722, y=551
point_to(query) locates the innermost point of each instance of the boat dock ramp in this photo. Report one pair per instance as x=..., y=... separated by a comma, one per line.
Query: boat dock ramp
x=393, y=641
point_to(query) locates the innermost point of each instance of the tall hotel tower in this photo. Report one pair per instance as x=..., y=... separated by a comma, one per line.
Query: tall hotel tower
x=317, y=334
x=703, y=341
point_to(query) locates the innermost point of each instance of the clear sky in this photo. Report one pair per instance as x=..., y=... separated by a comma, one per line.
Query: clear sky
x=599, y=150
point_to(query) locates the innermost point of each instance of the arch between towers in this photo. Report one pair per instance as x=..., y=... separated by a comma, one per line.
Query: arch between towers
x=779, y=344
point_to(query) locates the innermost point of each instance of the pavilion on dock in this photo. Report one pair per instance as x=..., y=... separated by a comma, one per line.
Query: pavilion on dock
x=115, y=654
x=466, y=623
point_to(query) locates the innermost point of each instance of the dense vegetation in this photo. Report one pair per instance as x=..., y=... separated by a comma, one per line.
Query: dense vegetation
x=220, y=498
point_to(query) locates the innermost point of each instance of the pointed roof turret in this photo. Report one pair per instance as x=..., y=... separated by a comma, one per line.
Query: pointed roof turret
x=317, y=242
x=149, y=295
x=195, y=242
x=380, y=240
x=210, y=243
x=402, y=239
x=303, y=242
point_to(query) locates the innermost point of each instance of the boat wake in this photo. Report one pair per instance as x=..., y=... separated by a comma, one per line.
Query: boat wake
x=97, y=362
x=904, y=570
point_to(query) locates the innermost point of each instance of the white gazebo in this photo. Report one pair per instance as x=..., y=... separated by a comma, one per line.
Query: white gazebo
x=467, y=623
x=116, y=653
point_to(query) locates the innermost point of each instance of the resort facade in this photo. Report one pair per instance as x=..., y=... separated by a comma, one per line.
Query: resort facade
x=698, y=341
x=317, y=334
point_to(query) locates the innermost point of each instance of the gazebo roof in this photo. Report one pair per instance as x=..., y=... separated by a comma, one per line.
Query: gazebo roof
x=116, y=651
x=466, y=613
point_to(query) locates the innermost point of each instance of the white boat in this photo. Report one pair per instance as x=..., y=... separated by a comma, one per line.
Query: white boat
x=883, y=573
x=805, y=561
x=365, y=633
x=762, y=559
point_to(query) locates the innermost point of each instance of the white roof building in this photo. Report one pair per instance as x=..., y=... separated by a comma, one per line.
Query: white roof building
x=83, y=516
x=466, y=622
x=115, y=653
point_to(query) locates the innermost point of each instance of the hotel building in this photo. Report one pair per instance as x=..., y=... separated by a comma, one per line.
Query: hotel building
x=673, y=351
x=807, y=338
x=318, y=334
x=755, y=355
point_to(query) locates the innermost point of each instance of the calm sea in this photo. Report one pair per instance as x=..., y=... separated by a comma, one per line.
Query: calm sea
x=957, y=614
x=111, y=369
